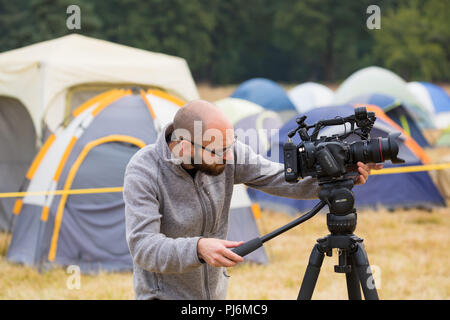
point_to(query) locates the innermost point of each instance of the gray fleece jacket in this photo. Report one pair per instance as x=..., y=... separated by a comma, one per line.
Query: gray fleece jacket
x=167, y=212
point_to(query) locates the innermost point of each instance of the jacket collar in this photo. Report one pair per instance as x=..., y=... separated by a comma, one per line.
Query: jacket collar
x=163, y=151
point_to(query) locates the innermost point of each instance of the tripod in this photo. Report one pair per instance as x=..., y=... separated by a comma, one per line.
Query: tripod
x=341, y=222
x=353, y=261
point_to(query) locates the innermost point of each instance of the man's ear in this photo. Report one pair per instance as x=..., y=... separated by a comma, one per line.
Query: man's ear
x=186, y=147
x=186, y=151
x=177, y=150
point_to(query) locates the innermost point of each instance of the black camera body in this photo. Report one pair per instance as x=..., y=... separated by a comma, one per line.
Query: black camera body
x=331, y=158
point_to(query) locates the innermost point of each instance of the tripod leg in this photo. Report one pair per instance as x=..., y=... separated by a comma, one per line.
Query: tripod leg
x=311, y=274
x=365, y=274
x=353, y=288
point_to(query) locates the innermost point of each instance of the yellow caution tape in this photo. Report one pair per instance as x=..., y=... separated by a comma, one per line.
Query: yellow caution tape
x=60, y=192
x=429, y=167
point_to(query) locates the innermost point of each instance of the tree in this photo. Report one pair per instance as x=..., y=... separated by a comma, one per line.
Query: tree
x=176, y=27
x=321, y=37
x=415, y=39
x=233, y=40
x=25, y=22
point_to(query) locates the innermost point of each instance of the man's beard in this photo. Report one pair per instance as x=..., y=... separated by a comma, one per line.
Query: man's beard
x=211, y=170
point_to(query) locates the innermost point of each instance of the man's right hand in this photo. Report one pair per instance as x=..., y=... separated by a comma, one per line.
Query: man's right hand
x=215, y=252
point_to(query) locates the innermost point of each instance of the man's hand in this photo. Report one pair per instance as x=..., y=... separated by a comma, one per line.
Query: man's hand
x=364, y=170
x=215, y=253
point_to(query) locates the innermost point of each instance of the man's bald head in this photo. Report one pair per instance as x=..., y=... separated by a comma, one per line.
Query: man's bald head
x=201, y=113
x=202, y=124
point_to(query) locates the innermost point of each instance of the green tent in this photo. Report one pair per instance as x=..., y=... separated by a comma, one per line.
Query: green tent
x=444, y=138
x=253, y=124
x=237, y=109
x=373, y=80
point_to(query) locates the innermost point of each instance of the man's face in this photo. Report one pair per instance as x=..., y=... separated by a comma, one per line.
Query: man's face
x=215, y=150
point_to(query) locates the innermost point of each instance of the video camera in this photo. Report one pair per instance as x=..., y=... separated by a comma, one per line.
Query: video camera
x=331, y=158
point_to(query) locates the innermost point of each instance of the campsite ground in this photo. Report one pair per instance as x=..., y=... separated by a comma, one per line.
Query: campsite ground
x=408, y=249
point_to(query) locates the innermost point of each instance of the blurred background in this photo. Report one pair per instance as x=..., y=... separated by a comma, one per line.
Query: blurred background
x=84, y=85
x=228, y=42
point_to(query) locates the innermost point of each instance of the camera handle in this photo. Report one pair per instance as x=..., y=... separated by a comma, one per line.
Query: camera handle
x=255, y=243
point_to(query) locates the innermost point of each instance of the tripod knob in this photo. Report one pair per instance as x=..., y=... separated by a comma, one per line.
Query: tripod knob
x=343, y=269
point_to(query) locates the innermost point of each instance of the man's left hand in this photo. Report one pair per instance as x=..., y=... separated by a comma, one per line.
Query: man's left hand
x=364, y=171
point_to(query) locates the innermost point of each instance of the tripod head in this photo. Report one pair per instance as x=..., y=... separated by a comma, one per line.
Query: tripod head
x=340, y=199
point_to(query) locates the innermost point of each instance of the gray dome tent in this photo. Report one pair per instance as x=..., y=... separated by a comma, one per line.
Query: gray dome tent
x=92, y=152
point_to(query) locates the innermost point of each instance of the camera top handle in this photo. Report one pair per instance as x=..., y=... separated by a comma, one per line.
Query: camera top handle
x=363, y=119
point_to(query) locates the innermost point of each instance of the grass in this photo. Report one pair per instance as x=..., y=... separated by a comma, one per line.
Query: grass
x=407, y=248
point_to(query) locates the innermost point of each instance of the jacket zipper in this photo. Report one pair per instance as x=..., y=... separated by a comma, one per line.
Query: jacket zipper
x=214, y=218
x=205, y=267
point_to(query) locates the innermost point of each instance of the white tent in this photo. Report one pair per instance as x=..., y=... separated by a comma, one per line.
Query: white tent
x=53, y=77
x=309, y=95
x=42, y=84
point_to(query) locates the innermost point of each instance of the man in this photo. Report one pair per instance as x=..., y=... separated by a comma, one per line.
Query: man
x=177, y=196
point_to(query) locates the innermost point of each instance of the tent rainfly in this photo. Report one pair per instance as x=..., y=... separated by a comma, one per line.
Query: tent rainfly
x=268, y=94
x=92, y=152
x=436, y=101
x=253, y=125
x=372, y=80
x=310, y=95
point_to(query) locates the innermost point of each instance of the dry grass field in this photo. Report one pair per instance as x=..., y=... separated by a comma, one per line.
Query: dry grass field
x=407, y=247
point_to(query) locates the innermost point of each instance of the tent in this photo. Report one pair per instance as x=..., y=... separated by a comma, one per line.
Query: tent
x=309, y=95
x=236, y=109
x=62, y=73
x=398, y=190
x=91, y=152
x=17, y=149
x=372, y=80
x=444, y=138
x=267, y=94
x=397, y=111
x=41, y=84
x=242, y=225
x=435, y=100
x=252, y=123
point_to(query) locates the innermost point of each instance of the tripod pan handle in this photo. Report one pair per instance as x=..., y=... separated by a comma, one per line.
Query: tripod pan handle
x=248, y=247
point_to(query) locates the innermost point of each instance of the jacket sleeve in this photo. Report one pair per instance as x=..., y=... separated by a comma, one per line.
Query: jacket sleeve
x=149, y=248
x=257, y=172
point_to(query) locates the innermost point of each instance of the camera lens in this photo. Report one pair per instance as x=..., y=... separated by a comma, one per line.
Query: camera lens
x=376, y=150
